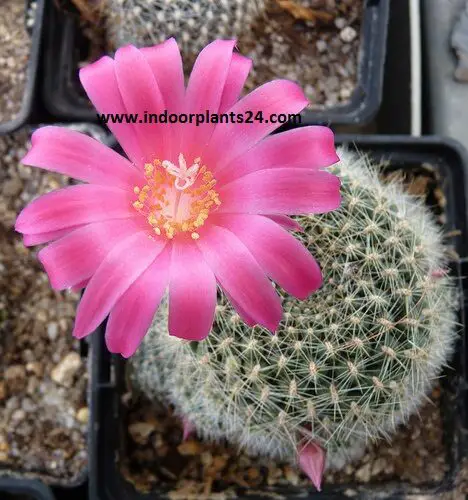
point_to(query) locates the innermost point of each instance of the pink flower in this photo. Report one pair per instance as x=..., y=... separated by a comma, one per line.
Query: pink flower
x=192, y=208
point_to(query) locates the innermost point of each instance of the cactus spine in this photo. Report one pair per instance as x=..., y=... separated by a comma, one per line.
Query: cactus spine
x=348, y=364
x=194, y=23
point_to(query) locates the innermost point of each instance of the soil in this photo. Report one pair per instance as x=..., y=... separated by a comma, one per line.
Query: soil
x=155, y=457
x=43, y=377
x=313, y=42
x=15, y=46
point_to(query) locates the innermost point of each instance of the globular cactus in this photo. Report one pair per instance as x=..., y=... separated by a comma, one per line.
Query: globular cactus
x=194, y=23
x=347, y=365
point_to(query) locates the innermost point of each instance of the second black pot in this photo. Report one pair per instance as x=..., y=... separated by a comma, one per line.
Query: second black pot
x=108, y=413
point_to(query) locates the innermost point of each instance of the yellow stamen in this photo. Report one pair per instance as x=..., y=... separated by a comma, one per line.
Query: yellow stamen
x=176, y=200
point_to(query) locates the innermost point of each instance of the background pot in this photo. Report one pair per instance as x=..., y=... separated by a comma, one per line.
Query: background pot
x=107, y=410
x=29, y=490
x=65, y=99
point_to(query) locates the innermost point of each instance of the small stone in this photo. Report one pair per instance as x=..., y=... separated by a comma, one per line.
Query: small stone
x=219, y=462
x=189, y=448
x=18, y=415
x=363, y=474
x=141, y=431
x=348, y=34
x=206, y=458
x=66, y=370
x=82, y=415
x=321, y=45
x=253, y=473
x=4, y=448
x=41, y=316
x=12, y=187
x=340, y=23
x=52, y=331
x=378, y=466
x=15, y=378
x=35, y=367
x=28, y=405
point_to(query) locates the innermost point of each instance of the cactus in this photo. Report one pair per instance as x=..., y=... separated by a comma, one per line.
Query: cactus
x=348, y=364
x=194, y=23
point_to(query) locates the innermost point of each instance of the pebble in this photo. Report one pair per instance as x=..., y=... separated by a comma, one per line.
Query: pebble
x=363, y=474
x=348, y=34
x=15, y=378
x=82, y=415
x=18, y=415
x=189, y=448
x=65, y=371
x=35, y=367
x=141, y=431
x=52, y=331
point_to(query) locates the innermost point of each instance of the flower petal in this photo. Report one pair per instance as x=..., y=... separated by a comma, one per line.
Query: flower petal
x=100, y=83
x=31, y=240
x=68, y=152
x=286, y=222
x=76, y=257
x=117, y=272
x=246, y=318
x=281, y=191
x=72, y=206
x=229, y=140
x=192, y=293
x=165, y=62
x=141, y=94
x=312, y=462
x=240, y=276
x=204, y=92
x=133, y=313
x=305, y=147
x=283, y=258
x=238, y=73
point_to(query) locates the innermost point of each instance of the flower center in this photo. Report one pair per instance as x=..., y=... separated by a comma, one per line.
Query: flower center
x=176, y=199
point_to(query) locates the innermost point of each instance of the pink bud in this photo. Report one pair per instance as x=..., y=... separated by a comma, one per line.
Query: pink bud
x=438, y=273
x=312, y=462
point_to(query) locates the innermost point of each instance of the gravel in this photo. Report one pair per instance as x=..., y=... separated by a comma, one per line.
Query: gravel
x=43, y=411
x=313, y=42
x=15, y=46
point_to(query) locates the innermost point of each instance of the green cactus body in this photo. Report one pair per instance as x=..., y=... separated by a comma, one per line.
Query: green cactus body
x=348, y=364
x=194, y=23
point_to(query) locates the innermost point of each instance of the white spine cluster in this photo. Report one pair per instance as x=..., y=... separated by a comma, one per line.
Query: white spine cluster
x=194, y=23
x=348, y=364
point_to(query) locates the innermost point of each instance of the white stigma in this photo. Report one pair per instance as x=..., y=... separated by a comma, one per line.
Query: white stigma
x=182, y=173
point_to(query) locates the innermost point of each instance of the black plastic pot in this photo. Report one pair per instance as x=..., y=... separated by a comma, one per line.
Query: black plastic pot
x=367, y=96
x=64, y=97
x=32, y=69
x=23, y=489
x=108, y=413
x=62, y=93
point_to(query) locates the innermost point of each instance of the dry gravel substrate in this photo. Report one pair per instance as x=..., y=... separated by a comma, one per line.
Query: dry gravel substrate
x=313, y=42
x=15, y=47
x=43, y=378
